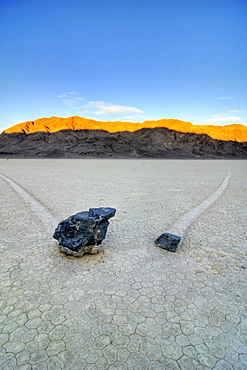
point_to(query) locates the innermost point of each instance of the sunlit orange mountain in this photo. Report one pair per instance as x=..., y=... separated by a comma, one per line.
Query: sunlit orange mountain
x=233, y=132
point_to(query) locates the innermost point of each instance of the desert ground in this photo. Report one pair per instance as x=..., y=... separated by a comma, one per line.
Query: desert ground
x=133, y=305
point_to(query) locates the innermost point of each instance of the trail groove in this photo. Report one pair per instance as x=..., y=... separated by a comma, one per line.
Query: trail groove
x=179, y=228
x=182, y=225
x=44, y=215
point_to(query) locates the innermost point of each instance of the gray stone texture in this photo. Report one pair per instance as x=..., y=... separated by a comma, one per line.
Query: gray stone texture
x=84, y=232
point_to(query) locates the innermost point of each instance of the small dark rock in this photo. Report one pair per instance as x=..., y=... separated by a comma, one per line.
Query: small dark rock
x=83, y=232
x=168, y=241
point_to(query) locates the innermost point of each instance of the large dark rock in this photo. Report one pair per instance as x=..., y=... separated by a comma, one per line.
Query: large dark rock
x=168, y=241
x=84, y=232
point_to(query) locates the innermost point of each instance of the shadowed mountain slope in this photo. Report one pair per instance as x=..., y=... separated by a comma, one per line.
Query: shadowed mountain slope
x=145, y=143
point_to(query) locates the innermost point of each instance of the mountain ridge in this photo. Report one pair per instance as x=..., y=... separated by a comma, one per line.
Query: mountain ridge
x=234, y=132
x=156, y=142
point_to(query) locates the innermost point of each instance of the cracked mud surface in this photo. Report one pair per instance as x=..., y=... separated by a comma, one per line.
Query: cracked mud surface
x=132, y=306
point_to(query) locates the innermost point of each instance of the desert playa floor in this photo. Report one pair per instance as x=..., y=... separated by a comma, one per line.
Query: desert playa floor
x=134, y=305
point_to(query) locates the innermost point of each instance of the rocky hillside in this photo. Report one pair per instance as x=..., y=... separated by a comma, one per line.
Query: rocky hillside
x=158, y=142
x=233, y=132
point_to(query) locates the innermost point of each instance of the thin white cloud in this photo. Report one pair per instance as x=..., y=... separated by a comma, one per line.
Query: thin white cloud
x=96, y=107
x=73, y=102
x=237, y=111
x=68, y=94
x=71, y=99
x=223, y=119
x=132, y=117
x=102, y=108
x=224, y=98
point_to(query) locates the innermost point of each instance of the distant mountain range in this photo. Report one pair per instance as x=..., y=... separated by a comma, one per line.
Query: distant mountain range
x=77, y=137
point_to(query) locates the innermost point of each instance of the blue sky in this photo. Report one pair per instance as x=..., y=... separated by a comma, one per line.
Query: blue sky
x=129, y=60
